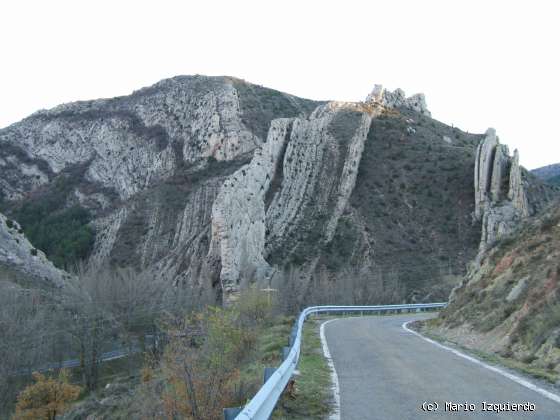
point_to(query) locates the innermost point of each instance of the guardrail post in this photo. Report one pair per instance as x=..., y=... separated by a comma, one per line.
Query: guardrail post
x=285, y=352
x=231, y=413
x=268, y=371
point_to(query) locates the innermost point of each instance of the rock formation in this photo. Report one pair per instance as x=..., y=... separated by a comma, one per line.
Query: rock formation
x=130, y=143
x=398, y=99
x=501, y=190
x=214, y=182
x=238, y=214
x=246, y=228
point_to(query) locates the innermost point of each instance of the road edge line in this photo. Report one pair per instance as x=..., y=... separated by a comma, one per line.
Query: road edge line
x=335, y=414
x=521, y=381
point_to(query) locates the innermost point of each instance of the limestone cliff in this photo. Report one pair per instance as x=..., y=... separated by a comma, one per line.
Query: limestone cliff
x=132, y=142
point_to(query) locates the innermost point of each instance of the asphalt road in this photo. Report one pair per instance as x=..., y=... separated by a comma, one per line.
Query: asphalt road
x=387, y=373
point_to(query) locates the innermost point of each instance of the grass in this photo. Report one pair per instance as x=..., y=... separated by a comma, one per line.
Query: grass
x=268, y=354
x=312, y=396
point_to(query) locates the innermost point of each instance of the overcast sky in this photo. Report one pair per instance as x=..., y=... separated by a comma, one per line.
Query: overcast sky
x=480, y=63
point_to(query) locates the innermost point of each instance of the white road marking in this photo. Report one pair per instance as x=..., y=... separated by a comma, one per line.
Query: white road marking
x=335, y=414
x=515, y=378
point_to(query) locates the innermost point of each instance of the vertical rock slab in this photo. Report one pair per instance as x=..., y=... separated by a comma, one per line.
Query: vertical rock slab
x=238, y=215
x=500, y=190
x=516, y=193
x=500, y=182
x=483, y=170
x=313, y=164
x=319, y=173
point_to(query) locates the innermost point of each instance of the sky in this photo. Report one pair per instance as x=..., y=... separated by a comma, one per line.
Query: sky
x=480, y=63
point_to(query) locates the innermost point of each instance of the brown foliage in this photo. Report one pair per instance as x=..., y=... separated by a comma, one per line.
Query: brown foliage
x=46, y=398
x=200, y=364
x=198, y=374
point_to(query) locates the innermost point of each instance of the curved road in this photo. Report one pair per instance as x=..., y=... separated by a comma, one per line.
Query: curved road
x=387, y=373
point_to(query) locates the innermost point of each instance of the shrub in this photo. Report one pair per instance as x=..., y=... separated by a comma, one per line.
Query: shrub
x=200, y=364
x=46, y=398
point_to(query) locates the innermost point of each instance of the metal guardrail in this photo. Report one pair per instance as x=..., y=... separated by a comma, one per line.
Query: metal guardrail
x=262, y=404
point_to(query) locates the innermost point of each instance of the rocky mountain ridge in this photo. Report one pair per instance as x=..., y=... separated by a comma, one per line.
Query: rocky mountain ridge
x=549, y=174
x=211, y=182
x=546, y=172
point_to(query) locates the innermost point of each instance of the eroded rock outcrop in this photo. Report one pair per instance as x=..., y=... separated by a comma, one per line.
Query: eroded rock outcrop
x=319, y=173
x=500, y=200
x=238, y=214
x=313, y=163
x=398, y=99
x=131, y=142
x=505, y=193
x=147, y=166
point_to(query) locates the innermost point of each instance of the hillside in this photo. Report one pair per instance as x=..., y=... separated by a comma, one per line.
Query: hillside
x=555, y=180
x=213, y=183
x=549, y=173
x=510, y=303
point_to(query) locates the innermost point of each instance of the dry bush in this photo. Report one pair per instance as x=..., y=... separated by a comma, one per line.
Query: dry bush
x=46, y=398
x=199, y=373
x=200, y=364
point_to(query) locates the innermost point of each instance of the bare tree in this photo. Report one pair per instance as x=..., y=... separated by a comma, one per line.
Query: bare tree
x=26, y=328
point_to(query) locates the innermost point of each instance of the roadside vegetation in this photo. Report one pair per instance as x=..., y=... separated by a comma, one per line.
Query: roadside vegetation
x=173, y=354
x=187, y=358
x=311, y=395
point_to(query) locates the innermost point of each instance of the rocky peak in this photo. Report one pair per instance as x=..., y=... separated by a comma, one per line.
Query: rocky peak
x=397, y=99
x=500, y=189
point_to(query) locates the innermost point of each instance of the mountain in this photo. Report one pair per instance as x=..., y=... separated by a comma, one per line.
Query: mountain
x=510, y=303
x=215, y=183
x=555, y=180
x=550, y=174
